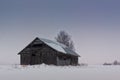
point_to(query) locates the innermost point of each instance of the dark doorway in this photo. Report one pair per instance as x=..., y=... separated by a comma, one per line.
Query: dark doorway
x=32, y=60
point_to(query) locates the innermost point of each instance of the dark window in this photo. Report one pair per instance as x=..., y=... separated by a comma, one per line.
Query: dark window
x=37, y=45
x=33, y=55
x=65, y=58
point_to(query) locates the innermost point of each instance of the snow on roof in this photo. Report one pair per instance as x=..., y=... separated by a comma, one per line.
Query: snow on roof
x=59, y=47
x=54, y=45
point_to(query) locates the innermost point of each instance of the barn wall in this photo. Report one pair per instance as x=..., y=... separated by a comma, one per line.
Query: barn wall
x=63, y=62
x=47, y=58
x=25, y=59
x=66, y=59
x=74, y=60
x=42, y=53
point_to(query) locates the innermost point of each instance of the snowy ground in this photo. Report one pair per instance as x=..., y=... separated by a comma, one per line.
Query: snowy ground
x=44, y=72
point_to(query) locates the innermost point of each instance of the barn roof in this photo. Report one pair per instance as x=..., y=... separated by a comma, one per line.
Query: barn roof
x=56, y=46
x=59, y=47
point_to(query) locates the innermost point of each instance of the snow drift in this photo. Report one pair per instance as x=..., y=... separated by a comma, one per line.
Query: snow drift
x=44, y=72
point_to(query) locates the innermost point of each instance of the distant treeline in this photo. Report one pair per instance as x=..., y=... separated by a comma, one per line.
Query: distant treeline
x=114, y=63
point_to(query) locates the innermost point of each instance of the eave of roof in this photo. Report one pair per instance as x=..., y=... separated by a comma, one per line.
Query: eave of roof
x=56, y=46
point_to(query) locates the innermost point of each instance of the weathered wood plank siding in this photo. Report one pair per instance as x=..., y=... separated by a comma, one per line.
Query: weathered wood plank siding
x=39, y=52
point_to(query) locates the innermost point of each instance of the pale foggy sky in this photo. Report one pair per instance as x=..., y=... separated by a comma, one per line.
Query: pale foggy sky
x=93, y=24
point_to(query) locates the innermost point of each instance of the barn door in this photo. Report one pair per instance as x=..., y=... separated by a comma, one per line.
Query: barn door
x=32, y=60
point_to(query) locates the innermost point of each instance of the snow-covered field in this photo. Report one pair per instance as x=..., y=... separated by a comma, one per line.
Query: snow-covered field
x=44, y=72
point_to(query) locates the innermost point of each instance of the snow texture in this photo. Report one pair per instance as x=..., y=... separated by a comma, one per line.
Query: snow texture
x=44, y=72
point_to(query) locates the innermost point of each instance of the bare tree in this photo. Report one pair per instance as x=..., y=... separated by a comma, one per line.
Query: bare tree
x=65, y=39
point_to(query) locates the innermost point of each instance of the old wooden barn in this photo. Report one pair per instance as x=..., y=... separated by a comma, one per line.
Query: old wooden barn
x=48, y=52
